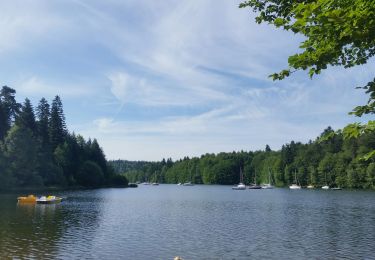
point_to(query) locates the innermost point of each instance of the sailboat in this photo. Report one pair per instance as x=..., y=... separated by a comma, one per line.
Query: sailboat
x=240, y=186
x=189, y=182
x=310, y=186
x=295, y=186
x=268, y=185
x=325, y=187
x=255, y=186
x=156, y=181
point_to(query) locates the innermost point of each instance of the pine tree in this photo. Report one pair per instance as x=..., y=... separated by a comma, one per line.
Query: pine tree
x=97, y=155
x=57, y=126
x=43, y=115
x=9, y=106
x=26, y=117
x=3, y=122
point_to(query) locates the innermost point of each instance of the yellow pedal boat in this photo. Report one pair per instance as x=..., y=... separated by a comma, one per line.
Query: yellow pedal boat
x=40, y=200
x=28, y=199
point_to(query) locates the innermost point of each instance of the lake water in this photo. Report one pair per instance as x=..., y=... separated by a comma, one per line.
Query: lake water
x=198, y=222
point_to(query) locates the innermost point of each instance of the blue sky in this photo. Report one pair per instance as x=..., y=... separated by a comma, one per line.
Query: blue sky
x=171, y=78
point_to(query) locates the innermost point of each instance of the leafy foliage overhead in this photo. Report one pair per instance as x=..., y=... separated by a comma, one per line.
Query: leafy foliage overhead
x=337, y=33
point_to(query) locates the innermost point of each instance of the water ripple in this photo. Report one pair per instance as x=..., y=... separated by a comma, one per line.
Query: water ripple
x=200, y=222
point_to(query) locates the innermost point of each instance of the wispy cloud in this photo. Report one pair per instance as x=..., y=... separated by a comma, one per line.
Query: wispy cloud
x=170, y=78
x=34, y=87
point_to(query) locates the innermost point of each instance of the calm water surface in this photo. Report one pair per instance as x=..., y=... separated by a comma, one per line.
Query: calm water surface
x=199, y=222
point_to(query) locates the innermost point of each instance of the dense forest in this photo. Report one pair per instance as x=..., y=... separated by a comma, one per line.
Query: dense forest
x=336, y=162
x=37, y=150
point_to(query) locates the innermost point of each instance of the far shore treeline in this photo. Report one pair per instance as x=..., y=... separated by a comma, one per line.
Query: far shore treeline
x=37, y=150
x=335, y=162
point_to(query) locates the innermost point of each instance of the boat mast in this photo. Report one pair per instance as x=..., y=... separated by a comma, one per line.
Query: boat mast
x=255, y=178
x=269, y=176
x=326, y=178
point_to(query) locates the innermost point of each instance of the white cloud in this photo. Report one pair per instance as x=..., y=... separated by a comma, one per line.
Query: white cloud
x=194, y=136
x=120, y=85
x=137, y=90
x=36, y=87
x=104, y=124
x=198, y=69
x=23, y=23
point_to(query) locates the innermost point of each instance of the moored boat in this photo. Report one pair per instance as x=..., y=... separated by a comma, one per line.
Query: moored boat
x=268, y=185
x=48, y=200
x=295, y=185
x=155, y=183
x=254, y=186
x=310, y=186
x=28, y=199
x=326, y=187
x=240, y=186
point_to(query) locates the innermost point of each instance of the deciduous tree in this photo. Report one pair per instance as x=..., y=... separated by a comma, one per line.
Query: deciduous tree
x=336, y=33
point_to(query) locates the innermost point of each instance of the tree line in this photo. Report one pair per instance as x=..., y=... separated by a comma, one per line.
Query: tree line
x=335, y=162
x=37, y=150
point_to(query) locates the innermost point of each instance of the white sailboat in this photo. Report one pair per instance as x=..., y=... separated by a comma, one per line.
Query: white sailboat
x=240, y=186
x=295, y=185
x=156, y=181
x=255, y=186
x=189, y=183
x=311, y=186
x=325, y=187
x=268, y=185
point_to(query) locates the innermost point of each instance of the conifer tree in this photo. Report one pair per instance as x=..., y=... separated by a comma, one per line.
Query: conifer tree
x=43, y=115
x=97, y=155
x=9, y=106
x=26, y=117
x=57, y=126
x=3, y=121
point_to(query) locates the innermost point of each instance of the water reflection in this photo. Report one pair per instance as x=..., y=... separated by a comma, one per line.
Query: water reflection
x=43, y=231
x=202, y=222
x=30, y=231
